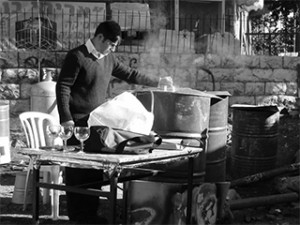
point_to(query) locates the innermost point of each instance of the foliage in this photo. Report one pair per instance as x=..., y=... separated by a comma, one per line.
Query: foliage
x=276, y=27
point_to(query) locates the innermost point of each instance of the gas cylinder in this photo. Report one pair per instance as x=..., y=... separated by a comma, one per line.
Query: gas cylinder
x=43, y=97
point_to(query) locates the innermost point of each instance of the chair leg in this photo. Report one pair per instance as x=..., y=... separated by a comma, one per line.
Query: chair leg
x=26, y=184
x=45, y=191
x=55, y=193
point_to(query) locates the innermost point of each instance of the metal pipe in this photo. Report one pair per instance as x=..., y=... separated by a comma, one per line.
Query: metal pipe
x=263, y=200
x=222, y=190
x=265, y=175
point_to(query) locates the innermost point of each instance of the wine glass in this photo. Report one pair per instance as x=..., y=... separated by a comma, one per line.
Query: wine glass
x=82, y=134
x=65, y=134
x=53, y=131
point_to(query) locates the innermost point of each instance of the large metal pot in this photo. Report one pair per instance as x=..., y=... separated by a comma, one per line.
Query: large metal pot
x=182, y=113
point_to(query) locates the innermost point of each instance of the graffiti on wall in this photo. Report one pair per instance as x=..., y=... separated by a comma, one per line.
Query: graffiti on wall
x=61, y=23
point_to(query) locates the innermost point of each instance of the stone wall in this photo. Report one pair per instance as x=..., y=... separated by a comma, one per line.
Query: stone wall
x=249, y=79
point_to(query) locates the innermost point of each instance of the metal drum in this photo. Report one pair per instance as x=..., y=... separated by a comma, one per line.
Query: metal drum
x=254, y=139
x=5, y=156
x=183, y=115
x=217, y=138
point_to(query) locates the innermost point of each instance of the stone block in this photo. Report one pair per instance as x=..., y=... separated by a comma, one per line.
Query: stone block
x=182, y=78
x=271, y=62
x=15, y=124
x=197, y=61
x=202, y=75
x=170, y=61
x=234, y=88
x=284, y=75
x=244, y=74
x=266, y=99
x=212, y=61
x=276, y=88
x=19, y=105
x=10, y=76
x=206, y=86
x=4, y=101
x=8, y=59
x=241, y=61
x=281, y=100
x=223, y=74
x=254, y=88
x=291, y=62
x=150, y=70
x=262, y=74
x=25, y=89
x=191, y=60
x=19, y=75
x=150, y=59
x=250, y=100
x=292, y=88
x=9, y=91
x=164, y=72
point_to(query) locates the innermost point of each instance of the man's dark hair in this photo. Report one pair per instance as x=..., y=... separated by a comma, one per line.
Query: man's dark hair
x=110, y=29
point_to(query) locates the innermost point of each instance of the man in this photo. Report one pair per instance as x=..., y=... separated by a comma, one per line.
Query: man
x=81, y=87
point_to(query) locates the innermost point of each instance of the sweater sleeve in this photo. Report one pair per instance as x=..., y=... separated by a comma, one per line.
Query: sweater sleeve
x=64, y=83
x=131, y=75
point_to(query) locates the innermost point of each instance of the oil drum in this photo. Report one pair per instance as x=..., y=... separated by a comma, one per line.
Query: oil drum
x=217, y=138
x=254, y=139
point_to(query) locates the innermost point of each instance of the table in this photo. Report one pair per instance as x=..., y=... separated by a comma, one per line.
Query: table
x=112, y=165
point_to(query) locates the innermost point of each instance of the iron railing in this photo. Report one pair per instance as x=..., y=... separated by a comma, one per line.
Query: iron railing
x=142, y=33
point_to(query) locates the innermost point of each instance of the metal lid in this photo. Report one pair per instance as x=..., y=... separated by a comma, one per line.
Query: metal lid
x=180, y=91
x=219, y=93
x=245, y=107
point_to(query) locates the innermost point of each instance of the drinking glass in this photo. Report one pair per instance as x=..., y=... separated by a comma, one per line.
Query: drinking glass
x=53, y=131
x=65, y=134
x=82, y=134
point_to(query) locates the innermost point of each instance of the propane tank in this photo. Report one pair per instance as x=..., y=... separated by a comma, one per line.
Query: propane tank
x=43, y=97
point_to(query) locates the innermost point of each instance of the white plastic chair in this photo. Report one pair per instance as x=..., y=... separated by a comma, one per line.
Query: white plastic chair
x=34, y=125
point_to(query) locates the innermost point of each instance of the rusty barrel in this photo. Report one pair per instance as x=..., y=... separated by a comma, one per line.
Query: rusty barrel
x=254, y=139
x=4, y=134
x=217, y=138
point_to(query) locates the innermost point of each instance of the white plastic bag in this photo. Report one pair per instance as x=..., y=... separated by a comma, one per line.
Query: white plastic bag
x=124, y=112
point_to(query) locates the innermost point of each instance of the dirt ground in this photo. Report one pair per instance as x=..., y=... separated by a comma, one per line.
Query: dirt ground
x=11, y=213
x=284, y=213
x=278, y=214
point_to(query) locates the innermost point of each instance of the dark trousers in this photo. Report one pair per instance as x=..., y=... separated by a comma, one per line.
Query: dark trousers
x=82, y=207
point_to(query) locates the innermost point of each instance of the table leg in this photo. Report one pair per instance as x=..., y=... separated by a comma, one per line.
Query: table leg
x=190, y=190
x=113, y=198
x=125, y=204
x=36, y=194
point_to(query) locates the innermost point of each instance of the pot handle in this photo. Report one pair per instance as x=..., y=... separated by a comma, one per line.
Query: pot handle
x=152, y=101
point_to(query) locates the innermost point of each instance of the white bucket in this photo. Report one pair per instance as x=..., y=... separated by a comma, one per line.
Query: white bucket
x=4, y=134
x=19, y=190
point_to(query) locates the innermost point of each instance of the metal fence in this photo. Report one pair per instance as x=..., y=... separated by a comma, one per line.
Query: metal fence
x=142, y=33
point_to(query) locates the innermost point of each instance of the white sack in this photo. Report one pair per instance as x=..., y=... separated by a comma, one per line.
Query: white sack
x=124, y=112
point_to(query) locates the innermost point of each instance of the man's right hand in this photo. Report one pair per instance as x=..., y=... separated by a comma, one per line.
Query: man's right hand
x=166, y=83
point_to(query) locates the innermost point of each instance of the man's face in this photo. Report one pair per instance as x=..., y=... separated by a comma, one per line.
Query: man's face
x=105, y=46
